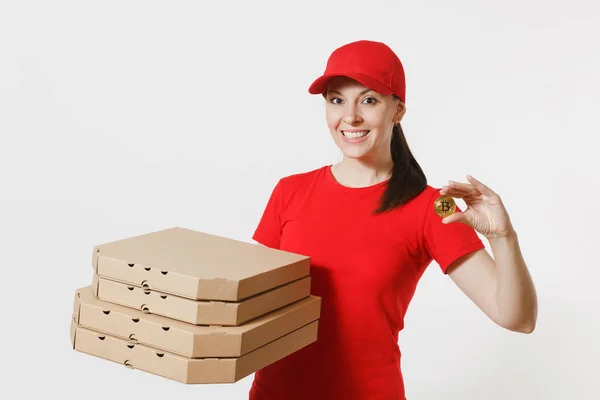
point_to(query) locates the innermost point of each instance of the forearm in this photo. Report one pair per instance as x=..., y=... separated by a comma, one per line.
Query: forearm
x=516, y=297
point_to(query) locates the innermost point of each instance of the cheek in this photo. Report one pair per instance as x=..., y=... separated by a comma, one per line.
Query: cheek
x=332, y=121
x=333, y=129
x=382, y=122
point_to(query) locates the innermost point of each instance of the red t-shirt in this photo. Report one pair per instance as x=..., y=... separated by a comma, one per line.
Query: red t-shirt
x=365, y=268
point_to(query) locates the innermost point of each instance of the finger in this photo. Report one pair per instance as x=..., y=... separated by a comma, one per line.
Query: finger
x=454, y=192
x=456, y=217
x=464, y=187
x=481, y=187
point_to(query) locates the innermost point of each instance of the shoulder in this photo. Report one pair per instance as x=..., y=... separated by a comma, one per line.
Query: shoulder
x=425, y=198
x=420, y=208
x=302, y=179
x=303, y=176
x=296, y=185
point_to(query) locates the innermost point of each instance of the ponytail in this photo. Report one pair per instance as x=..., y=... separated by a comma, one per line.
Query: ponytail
x=407, y=180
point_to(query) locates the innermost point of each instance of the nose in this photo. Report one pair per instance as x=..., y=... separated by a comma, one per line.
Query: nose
x=351, y=116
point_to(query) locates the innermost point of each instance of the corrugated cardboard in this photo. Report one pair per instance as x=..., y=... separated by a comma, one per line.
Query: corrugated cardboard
x=190, y=340
x=199, y=312
x=198, y=265
x=188, y=370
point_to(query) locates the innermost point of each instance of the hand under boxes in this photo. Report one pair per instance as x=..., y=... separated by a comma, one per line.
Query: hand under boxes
x=195, y=307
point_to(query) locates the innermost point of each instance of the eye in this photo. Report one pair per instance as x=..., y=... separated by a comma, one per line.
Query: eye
x=373, y=100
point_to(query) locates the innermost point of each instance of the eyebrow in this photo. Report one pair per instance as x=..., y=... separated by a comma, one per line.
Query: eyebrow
x=360, y=94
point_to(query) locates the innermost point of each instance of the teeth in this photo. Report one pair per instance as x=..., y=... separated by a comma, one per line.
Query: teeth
x=355, y=135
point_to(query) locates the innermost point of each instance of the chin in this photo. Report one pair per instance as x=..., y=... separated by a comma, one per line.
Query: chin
x=354, y=154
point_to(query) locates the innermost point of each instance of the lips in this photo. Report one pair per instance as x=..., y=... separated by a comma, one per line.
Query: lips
x=355, y=134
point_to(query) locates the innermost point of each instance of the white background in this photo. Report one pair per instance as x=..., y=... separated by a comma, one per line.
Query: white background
x=124, y=117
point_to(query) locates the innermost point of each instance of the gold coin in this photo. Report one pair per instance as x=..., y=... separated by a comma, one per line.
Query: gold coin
x=444, y=206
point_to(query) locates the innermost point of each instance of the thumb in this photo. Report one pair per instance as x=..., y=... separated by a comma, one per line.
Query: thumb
x=456, y=217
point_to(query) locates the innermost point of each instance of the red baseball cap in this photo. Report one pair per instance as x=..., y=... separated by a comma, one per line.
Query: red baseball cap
x=371, y=63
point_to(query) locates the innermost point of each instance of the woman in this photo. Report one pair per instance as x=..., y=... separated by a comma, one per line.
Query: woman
x=370, y=227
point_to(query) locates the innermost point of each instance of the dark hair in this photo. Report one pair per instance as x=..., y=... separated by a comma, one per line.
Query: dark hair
x=408, y=179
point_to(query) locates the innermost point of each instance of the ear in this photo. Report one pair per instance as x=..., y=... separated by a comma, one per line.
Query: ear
x=400, y=111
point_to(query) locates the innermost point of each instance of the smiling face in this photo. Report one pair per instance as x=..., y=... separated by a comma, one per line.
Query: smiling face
x=360, y=119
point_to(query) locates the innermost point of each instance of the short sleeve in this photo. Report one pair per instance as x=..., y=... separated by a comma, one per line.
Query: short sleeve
x=268, y=231
x=447, y=242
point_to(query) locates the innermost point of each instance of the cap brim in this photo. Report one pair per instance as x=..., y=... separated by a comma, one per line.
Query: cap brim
x=320, y=84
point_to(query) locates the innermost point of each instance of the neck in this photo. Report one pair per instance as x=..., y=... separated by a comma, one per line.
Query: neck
x=353, y=172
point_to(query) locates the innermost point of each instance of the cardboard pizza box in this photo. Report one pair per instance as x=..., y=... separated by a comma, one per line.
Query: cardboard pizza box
x=186, y=339
x=198, y=265
x=200, y=312
x=189, y=370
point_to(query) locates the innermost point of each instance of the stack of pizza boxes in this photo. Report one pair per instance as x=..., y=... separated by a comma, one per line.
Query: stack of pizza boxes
x=194, y=307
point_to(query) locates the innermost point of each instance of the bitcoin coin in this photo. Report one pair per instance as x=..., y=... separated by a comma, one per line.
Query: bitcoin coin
x=444, y=206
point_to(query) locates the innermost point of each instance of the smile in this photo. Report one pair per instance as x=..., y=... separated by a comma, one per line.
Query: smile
x=355, y=135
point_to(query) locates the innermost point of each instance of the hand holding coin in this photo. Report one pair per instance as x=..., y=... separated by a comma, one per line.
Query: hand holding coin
x=485, y=212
